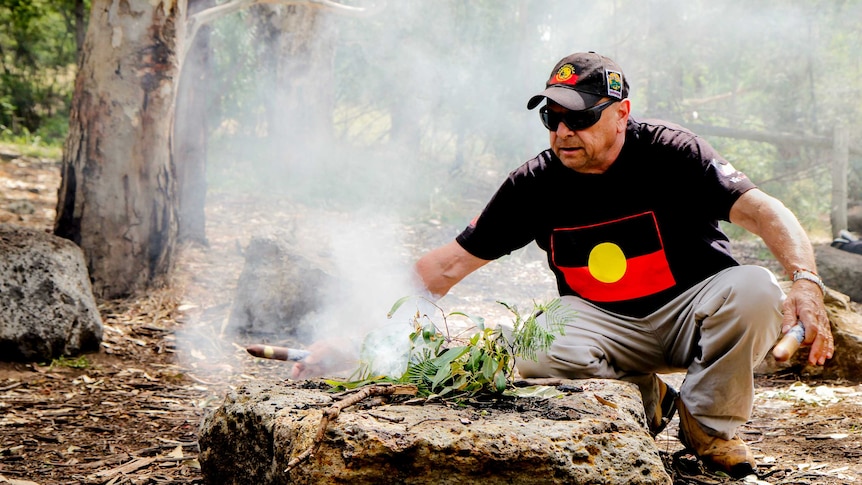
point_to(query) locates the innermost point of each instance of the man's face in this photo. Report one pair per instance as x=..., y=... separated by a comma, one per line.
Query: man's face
x=592, y=149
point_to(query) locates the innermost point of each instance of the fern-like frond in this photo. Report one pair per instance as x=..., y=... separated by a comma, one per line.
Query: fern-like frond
x=420, y=373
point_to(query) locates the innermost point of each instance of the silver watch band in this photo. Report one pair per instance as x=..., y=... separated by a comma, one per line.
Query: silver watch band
x=803, y=274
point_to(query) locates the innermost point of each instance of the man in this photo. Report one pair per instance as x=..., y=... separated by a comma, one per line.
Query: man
x=628, y=213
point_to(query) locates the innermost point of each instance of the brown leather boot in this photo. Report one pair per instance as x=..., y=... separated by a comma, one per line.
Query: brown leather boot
x=731, y=456
x=664, y=409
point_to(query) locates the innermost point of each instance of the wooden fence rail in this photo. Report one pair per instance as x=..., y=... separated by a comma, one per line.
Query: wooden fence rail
x=838, y=144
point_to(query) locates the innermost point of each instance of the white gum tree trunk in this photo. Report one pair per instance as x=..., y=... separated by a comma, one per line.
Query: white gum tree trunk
x=117, y=197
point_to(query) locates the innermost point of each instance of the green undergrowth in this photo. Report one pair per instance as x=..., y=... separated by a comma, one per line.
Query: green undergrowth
x=80, y=362
x=29, y=145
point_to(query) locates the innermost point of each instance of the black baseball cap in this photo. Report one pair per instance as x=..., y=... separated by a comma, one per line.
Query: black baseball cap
x=580, y=80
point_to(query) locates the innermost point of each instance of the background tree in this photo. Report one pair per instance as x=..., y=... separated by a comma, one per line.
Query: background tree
x=117, y=198
x=191, y=133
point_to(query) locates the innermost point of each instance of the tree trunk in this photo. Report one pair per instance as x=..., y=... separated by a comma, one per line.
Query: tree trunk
x=190, y=132
x=303, y=94
x=117, y=197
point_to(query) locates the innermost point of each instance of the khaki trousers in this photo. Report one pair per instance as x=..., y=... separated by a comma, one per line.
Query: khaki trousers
x=716, y=332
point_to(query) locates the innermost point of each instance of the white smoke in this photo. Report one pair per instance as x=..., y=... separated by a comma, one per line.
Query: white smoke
x=372, y=273
x=470, y=68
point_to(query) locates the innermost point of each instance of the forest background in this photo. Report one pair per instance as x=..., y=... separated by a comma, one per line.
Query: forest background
x=428, y=98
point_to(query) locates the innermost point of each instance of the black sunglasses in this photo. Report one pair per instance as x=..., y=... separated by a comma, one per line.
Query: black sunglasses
x=575, y=120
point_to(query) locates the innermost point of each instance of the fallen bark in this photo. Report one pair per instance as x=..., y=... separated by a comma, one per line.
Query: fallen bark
x=333, y=411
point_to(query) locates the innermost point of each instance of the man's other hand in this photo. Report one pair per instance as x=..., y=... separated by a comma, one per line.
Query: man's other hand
x=804, y=303
x=326, y=357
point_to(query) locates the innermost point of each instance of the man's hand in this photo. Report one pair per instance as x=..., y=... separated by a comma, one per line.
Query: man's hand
x=326, y=357
x=804, y=303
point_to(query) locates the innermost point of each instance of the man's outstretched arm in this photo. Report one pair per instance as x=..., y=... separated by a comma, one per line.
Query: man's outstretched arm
x=442, y=268
x=767, y=217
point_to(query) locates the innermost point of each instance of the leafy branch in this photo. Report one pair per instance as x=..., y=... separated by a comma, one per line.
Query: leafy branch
x=442, y=365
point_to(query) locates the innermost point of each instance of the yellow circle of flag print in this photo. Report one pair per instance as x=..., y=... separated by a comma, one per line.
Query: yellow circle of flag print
x=607, y=263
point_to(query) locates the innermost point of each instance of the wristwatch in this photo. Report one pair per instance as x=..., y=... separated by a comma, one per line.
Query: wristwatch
x=804, y=274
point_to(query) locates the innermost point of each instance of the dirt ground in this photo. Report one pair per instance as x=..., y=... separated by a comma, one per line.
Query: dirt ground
x=129, y=414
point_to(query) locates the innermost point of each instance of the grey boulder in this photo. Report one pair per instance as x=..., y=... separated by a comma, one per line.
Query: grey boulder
x=47, y=308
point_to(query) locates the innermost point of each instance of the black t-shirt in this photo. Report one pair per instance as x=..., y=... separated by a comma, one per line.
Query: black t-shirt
x=629, y=239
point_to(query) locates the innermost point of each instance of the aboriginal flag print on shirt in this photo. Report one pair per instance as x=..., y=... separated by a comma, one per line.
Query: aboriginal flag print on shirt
x=613, y=261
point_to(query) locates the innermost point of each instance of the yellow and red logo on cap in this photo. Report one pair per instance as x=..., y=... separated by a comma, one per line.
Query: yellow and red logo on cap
x=617, y=260
x=565, y=75
x=615, y=84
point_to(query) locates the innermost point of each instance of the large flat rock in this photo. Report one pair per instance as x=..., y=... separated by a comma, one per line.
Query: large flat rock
x=594, y=432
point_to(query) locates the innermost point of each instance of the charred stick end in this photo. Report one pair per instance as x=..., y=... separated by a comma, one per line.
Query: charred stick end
x=790, y=343
x=277, y=353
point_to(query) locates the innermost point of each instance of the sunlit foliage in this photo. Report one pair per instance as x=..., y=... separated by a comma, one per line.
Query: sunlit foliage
x=37, y=67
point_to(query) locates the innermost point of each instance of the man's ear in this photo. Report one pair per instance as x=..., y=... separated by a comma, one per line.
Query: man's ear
x=623, y=111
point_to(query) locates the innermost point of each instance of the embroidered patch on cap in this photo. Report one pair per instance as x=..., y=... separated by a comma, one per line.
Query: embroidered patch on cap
x=615, y=83
x=565, y=75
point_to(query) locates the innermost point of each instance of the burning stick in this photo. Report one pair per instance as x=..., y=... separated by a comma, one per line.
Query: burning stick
x=790, y=343
x=277, y=353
